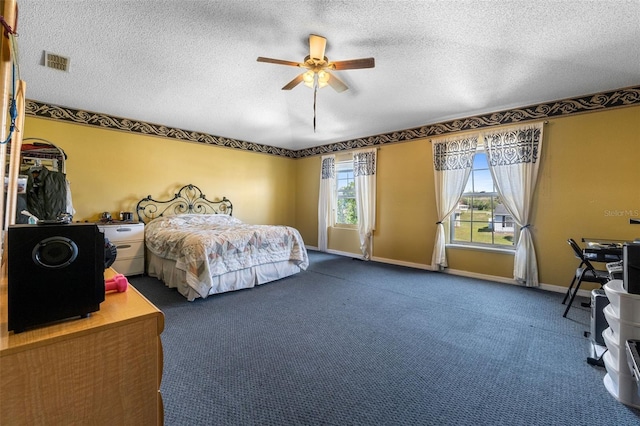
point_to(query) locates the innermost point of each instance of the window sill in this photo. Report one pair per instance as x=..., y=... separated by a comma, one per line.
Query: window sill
x=345, y=226
x=482, y=248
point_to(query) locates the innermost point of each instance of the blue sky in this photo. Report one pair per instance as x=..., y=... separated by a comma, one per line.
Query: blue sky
x=481, y=178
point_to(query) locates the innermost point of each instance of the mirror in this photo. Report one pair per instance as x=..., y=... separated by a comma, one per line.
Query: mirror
x=42, y=185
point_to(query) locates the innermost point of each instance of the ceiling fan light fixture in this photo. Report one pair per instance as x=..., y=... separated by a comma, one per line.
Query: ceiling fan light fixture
x=308, y=78
x=323, y=78
x=318, y=66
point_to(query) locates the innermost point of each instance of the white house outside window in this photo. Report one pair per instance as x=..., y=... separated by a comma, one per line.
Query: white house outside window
x=480, y=218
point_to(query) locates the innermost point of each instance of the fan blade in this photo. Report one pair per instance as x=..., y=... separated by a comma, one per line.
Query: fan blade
x=293, y=83
x=279, y=61
x=317, y=45
x=337, y=84
x=353, y=64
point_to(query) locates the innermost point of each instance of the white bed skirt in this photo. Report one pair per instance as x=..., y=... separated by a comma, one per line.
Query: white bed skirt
x=173, y=277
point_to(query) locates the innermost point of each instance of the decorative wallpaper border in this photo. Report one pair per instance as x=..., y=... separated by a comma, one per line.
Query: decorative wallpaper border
x=615, y=99
x=600, y=101
x=104, y=121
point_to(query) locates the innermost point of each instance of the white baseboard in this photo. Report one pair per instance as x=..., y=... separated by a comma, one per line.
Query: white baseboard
x=476, y=275
x=345, y=254
x=560, y=289
x=511, y=281
x=338, y=252
x=542, y=286
x=402, y=263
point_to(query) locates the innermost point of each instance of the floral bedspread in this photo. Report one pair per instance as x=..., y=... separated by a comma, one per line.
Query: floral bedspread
x=209, y=245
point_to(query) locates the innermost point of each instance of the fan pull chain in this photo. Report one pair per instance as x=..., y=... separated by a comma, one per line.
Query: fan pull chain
x=315, y=92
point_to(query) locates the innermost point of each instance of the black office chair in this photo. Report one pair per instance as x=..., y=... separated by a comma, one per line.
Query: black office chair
x=585, y=272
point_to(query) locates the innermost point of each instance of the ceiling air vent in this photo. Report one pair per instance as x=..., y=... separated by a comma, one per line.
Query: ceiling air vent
x=57, y=62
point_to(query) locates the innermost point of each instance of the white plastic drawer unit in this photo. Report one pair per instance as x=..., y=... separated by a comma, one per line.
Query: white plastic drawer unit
x=123, y=232
x=129, y=241
x=128, y=249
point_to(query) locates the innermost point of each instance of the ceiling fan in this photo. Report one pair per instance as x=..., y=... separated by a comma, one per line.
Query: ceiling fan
x=319, y=67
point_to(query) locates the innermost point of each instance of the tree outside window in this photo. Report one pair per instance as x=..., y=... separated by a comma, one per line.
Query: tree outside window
x=346, y=212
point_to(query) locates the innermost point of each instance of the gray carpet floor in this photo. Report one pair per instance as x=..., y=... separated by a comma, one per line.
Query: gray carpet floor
x=363, y=343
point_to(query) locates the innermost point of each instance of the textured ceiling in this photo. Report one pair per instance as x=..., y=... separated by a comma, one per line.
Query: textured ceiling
x=191, y=64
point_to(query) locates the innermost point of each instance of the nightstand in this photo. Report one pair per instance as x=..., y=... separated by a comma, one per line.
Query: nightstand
x=129, y=241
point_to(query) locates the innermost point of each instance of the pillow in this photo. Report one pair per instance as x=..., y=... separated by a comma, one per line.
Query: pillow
x=209, y=218
x=195, y=219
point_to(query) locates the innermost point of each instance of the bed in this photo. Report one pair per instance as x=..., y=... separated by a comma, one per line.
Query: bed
x=196, y=246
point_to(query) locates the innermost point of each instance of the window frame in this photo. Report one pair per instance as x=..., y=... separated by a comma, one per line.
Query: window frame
x=494, y=195
x=344, y=165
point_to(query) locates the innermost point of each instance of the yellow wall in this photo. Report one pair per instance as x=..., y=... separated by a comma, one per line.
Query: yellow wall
x=403, y=196
x=589, y=185
x=406, y=212
x=344, y=239
x=111, y=171
x=308, y=185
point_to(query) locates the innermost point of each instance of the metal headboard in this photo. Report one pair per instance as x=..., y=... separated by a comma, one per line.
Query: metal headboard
x=189, y=199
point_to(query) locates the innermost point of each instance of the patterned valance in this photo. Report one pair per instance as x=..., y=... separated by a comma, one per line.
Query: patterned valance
x=364, y=163
x=454, y=154
x=328, y=167
x=597, y=102
x=514, y=145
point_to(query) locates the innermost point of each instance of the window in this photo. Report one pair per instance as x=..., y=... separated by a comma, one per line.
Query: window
x=346, y=212
x=480, y=218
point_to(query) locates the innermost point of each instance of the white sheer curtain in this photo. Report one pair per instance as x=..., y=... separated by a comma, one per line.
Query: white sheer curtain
x=364, y=173
x=326, y=199
x=513, y=155
x=452, y=163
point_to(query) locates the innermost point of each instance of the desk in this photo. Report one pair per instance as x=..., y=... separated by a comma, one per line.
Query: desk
x=603, y=250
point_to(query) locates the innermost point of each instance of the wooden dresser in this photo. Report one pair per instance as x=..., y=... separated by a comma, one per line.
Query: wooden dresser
x=105, y=369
